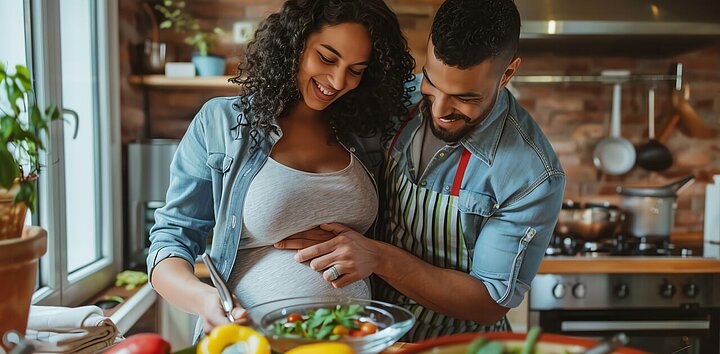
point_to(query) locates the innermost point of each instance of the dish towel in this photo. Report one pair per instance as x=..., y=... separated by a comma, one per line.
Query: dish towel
x=70, y=330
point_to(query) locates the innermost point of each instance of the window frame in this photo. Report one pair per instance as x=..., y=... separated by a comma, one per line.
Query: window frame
x=63, y=289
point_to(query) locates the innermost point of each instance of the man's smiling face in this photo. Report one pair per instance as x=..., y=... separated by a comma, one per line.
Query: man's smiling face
x=459, y=99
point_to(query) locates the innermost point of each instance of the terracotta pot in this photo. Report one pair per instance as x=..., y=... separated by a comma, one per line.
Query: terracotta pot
x=12, y=216
x=18, y=271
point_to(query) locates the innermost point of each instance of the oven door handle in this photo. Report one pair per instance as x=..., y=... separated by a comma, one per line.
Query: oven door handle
x=587, y=326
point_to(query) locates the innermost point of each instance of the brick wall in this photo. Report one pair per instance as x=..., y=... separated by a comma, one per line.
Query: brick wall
x=574, y=116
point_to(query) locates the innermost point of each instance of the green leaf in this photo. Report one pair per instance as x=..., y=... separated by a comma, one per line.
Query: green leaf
x=354, y=309
x=348, y=322
x=23, y=75
x=166, y=24
x=7, y=173
x=26, y=193
x=324, y=332
x=492, y=348
x=329, y=319
x=531, y=339
x=475, y=346
x=7, y=127
x=167, y=2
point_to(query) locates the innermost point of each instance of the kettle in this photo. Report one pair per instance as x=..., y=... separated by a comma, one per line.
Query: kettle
x=650, y=211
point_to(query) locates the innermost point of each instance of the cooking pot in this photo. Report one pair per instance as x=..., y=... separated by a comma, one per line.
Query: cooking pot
x=650, y=211
x=589, y=223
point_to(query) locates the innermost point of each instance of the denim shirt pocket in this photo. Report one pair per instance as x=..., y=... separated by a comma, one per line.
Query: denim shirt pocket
x=475, y=209
x=219, y=162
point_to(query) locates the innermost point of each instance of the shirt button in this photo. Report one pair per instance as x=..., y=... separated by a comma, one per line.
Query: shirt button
x=352, y=149
x=233, y=221
x=447, y=188
x=442, y=154
x=423, y=183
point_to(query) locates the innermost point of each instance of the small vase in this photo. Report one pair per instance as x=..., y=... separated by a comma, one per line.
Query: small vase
x=209, y=65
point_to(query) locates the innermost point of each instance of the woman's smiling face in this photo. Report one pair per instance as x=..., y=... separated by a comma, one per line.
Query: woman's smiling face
x=333, y=63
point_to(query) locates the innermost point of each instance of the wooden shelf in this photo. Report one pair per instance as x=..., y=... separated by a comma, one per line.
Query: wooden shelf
x=162, y=81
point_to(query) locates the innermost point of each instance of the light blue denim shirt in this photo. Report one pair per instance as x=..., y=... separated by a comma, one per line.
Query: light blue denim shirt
x=509, y=199
x=210, y=174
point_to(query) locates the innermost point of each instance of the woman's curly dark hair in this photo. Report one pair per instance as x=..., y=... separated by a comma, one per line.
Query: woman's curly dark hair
x=269, y=74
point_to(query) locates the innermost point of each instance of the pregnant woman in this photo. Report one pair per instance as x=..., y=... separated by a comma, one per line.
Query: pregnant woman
x=287, y=155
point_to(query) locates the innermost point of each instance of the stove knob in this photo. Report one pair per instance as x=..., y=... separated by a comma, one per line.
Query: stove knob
x=622, y=290
x=558, y=291
x=667, y=290
x=691, y=290
x=579, y=290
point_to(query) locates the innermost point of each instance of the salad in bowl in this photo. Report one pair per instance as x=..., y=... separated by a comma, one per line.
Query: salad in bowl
x=367, y=326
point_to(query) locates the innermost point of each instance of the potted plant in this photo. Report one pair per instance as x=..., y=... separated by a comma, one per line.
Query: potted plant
x=204, y=41
x=22, y=125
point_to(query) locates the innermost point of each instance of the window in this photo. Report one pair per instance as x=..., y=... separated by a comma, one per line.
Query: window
x=70, y=48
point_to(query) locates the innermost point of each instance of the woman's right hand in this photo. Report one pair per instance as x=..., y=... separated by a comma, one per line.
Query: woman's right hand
x=213, y=315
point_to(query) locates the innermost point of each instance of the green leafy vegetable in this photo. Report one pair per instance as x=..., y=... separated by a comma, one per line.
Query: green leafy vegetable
x=483, y=346
x=323, y=323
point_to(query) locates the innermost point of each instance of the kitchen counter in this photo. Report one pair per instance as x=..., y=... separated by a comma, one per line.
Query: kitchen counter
x=634, y=264
x=603, y=265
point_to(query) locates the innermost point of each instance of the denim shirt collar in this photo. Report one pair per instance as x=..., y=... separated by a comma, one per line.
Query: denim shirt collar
x=243, y=119
x=483, y=141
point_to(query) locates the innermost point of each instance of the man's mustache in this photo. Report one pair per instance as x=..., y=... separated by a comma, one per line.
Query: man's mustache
x=453, y=117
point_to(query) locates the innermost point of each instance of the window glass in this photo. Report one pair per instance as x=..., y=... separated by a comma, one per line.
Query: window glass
x=77, y=32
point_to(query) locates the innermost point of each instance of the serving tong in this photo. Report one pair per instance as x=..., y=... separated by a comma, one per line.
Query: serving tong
x=217, y=280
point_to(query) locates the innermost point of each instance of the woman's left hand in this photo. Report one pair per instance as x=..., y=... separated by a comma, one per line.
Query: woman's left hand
x=353, y=255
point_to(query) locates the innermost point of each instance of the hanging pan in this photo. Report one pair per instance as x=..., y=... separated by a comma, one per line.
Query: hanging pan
x=614, y=155
x=653, y=155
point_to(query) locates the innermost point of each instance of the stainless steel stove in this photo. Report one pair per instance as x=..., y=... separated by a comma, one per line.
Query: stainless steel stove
x=659, y=313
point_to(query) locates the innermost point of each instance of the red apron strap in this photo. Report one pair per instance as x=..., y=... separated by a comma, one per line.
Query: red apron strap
x=462, y=166
x=402, y=126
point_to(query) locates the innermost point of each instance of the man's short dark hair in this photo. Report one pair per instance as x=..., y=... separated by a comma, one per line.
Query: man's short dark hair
x=467, y=32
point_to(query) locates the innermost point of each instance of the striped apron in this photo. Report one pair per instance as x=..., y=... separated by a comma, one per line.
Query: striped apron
x=427, y=224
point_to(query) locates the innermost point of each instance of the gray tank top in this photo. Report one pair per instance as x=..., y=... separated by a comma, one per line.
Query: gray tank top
x=282, y=201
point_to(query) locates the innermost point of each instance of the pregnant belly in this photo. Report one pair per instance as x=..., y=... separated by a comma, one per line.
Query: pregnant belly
x=266, y=273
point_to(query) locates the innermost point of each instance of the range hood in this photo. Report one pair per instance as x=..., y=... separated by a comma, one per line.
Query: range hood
x=659, y=28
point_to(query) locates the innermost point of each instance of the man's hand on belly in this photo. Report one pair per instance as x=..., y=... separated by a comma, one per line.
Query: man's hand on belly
x=353, y=255
x=304, y=239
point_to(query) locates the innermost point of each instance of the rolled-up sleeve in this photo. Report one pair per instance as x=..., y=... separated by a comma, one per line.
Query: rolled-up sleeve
x=182, y=225
x=512, y=243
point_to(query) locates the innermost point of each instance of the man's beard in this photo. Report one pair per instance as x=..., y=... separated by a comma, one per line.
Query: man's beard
x=452, y=136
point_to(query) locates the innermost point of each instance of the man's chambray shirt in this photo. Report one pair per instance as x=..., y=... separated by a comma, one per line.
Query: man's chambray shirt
x=510, y=196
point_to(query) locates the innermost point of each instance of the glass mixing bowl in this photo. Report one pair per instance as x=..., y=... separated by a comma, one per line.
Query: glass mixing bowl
x=392, y=321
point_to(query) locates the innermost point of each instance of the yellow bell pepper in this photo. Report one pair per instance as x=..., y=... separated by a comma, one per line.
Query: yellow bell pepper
x=223, y=336
x=322, y=348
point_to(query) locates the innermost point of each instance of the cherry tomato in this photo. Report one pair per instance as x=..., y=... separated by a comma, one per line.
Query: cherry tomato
x=340, y=329
x=368, y=328
x=294, y=317
x=357, y=333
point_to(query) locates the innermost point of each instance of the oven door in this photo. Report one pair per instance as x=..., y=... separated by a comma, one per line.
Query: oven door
x=652, y=330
